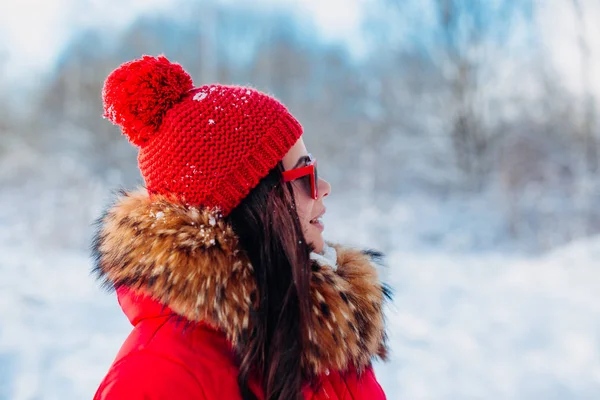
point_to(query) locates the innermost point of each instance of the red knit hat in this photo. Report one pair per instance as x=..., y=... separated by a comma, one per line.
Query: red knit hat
x=209, y=146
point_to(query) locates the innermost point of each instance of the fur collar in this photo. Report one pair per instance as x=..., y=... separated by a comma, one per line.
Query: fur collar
x=188, y=259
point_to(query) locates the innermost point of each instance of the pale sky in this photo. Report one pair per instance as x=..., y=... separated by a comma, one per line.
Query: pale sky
x=560, y=29
x=33, y=31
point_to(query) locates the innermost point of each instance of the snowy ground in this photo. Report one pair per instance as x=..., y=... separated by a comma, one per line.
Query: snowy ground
x=481, y=327
x=464, y=324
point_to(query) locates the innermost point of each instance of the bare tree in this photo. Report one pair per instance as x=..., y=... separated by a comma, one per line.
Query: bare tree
x=473, y=33
x=464, y=47
x=588, y=102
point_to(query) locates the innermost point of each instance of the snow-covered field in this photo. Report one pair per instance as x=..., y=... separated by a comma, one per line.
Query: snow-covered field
x=479, y=327
x=464, y=324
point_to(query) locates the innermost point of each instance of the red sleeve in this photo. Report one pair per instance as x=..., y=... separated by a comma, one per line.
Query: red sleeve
x=145, y=376
x=352, y=386
x=365, y=387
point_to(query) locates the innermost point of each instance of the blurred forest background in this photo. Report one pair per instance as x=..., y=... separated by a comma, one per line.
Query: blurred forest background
x=455, y=101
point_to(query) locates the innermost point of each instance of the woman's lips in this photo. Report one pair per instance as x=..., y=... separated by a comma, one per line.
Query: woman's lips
x=318, y=222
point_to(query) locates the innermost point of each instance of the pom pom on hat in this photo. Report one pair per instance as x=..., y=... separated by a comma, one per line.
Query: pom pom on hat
x=138, y=94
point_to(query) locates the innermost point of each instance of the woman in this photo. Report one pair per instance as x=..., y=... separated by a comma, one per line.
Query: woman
x=220, y=263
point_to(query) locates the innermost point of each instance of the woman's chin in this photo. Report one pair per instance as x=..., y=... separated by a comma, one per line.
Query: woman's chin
x=318, y=244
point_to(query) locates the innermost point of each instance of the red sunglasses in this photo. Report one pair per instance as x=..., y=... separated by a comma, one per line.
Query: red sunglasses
x=307, y=175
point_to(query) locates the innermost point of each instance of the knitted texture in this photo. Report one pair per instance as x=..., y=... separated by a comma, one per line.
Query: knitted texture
x=207, y=146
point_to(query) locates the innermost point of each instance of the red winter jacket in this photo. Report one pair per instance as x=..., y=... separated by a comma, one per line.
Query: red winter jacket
x=160, y=360
x=190, y=324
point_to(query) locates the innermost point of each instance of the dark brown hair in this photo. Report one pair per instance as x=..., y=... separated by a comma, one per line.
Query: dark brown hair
x=269, y=231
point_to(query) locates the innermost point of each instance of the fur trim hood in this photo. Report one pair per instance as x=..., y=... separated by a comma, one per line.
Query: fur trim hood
x=188, y=259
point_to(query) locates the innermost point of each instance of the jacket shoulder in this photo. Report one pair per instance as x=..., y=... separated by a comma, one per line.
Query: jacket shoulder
x=354, y=386
x=145, y=375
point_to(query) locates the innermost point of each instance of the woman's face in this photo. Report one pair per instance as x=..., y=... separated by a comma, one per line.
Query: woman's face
x=309, y=210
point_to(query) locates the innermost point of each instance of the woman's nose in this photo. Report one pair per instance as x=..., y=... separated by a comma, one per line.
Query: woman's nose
x=324, y=188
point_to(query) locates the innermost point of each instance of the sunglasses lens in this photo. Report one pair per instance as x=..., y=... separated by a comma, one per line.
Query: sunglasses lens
x=316, y=191
x=305, y=183
x=308, y=180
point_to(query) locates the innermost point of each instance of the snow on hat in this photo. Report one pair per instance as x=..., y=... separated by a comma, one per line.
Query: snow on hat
x=208, y=146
